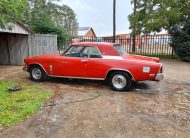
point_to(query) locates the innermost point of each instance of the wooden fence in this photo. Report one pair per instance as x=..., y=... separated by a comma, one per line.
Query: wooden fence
x=42, y=44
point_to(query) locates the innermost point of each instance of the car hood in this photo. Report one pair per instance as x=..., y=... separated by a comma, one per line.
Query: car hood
x=141, y=58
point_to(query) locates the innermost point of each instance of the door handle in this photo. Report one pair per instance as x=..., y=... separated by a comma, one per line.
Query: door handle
x=84, y=60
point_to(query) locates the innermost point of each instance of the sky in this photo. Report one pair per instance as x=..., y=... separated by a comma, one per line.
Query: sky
x=98, y=14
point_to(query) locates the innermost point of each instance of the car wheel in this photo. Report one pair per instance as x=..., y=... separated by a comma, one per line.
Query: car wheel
x=37, y=73
x=120, y=81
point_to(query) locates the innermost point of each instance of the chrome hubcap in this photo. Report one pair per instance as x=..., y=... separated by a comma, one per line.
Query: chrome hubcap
x=119, y=81
x=36, y=73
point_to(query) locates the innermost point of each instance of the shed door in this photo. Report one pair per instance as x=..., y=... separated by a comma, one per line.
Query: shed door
x=4, y=58
x=18, y=48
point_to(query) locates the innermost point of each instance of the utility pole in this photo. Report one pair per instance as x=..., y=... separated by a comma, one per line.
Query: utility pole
x=114, y=20
x=134, y=25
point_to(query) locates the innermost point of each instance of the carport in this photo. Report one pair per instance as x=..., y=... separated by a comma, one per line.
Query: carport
x=14, y=44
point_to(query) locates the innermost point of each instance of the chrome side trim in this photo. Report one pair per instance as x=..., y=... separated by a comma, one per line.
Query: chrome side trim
x=113, y=57
x=120, y=70
x=71, y=77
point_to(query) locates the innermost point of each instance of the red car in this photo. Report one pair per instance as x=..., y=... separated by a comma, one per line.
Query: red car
x=97, y=61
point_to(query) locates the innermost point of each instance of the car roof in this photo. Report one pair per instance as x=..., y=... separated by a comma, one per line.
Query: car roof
x=105, y=48
x=99, y=44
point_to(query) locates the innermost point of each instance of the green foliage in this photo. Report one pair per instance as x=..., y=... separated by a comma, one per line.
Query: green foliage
x=12, y=11
x=14, y=107
x=155, y=15
x=42, y=16
x=63, y=16
x=171, y=15
x=181, y=41
x=49, y=18
x=49, y=28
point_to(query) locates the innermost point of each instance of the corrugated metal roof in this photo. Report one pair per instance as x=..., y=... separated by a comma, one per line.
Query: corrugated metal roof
x=17, y=28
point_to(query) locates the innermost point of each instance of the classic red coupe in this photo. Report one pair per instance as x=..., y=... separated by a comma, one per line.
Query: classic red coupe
x=98, y=61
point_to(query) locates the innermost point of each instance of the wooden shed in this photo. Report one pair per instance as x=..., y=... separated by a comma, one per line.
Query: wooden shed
x=21, y=42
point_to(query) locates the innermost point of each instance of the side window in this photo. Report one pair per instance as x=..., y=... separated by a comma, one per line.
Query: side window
x=74, y=51
x=91, y=52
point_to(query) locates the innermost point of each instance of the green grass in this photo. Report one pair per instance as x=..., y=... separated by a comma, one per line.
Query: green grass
x=14, y=107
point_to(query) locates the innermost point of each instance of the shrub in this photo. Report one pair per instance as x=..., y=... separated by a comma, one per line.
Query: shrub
x=181, y=41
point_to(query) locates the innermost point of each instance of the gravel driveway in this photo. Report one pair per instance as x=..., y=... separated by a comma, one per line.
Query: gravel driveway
x=88, y=109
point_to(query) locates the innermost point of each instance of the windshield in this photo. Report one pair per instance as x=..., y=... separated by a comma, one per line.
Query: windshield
x=120, y=49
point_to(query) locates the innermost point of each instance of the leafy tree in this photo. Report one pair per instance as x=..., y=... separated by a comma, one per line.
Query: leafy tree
x=12, y=11
x=171, y=15
x=155, y=15
x=39, y=14
x=181, y=41
x=43, y=24
x=63, y=16
x=49, y=18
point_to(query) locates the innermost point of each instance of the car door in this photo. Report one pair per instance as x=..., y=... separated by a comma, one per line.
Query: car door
x=96, y=66
x=71, y=64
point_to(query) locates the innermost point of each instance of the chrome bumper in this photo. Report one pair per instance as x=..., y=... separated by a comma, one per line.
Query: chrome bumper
x=159, y=77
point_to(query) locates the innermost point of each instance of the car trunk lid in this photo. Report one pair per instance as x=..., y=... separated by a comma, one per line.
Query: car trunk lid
x=141, y=58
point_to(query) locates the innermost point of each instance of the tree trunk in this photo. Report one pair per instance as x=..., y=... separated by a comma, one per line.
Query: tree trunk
x=134, y=26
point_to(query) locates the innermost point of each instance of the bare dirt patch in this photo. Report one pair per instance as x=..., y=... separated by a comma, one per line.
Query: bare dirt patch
x=91, y=109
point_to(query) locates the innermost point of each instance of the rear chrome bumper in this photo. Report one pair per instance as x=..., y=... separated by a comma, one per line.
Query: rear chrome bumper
x=159, y=77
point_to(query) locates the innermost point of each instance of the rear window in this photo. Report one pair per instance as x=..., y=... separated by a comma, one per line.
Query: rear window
x=120, y=49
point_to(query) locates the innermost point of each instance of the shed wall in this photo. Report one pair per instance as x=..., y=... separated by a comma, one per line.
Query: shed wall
x=4, y=58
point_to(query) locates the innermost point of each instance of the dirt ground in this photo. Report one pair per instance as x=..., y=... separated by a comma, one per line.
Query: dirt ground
x=90, y=109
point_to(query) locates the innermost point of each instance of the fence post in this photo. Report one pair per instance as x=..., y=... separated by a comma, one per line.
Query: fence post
x=134, y=43
x=172, y=52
